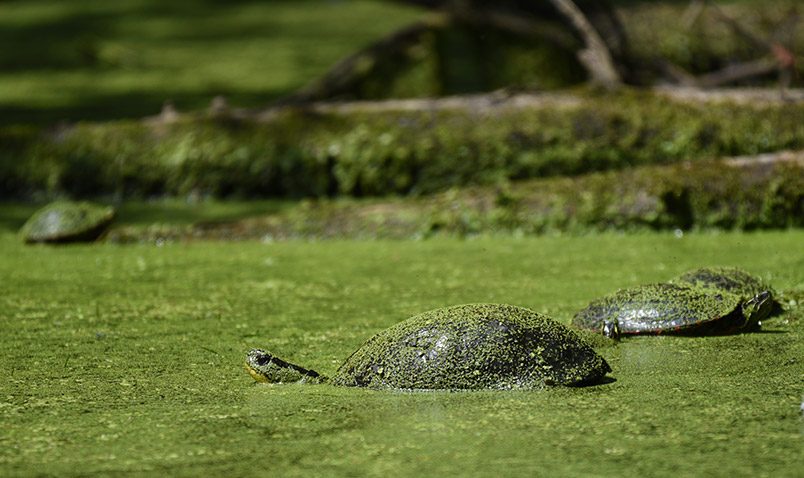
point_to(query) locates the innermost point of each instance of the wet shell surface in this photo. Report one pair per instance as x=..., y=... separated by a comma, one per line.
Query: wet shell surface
x=729, y=279
x=476, y=346
x=665, y=309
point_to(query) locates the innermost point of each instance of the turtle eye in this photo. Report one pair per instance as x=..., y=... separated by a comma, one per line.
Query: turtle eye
x=611, y=329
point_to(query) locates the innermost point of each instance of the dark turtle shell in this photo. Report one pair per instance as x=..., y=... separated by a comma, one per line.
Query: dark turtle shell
x=672, y=309
x=65, y=221
x=730, y=279
x=476, y=346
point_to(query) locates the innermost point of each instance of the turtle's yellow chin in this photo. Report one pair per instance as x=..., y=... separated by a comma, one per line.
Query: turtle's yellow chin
x=255, y=374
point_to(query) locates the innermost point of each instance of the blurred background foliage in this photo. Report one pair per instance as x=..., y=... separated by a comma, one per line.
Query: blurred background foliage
x=304, y=154
x=94, y=59
x=99, y=60
x=82, y=83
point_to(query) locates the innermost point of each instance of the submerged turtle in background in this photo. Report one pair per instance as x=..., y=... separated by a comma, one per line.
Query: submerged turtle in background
x=729, y=279
x=733, y=280
x=476, y=346
x=66, y=221
x=673, y=309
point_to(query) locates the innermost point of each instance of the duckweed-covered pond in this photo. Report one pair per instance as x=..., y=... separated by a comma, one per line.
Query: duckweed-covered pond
x=128, y=359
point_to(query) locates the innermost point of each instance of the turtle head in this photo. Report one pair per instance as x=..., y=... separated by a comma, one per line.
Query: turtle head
x=266, y=367
x=258, y=364
x=611, y=329
x=757, y=308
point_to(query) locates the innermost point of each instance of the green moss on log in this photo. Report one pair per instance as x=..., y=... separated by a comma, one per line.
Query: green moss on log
x=702, y=196
x=363, y=153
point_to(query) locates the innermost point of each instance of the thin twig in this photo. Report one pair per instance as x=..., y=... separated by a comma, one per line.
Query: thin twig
x=693, y=13
x=350, y=69
x=737, y=72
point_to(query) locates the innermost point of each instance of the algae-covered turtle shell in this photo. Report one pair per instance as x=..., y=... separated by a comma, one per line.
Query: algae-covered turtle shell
x=66, y=221
x=476, y=346
x=673, y=309
x=730, y=279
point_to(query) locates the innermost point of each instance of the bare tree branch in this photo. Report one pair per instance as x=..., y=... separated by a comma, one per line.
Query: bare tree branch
x=729, y=74
x=739, y=71
x=596, y=57
x=693, y=12
x=782, y=60
x=343, y=75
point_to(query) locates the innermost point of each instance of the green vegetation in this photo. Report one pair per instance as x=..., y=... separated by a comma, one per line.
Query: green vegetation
x=703, y=196
x=121, y=358
x=94, y=59
x=365, y=154
x=98, y=60
x=128, y=359
x=666, y=30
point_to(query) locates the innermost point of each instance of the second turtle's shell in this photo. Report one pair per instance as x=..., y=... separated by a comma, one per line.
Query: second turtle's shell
x=730, y=279
x=665, y=308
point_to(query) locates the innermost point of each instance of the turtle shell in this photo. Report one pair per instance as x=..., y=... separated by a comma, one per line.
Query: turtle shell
x=665, y=309
x=65, y=221
x=730, y=279
x=476, y=346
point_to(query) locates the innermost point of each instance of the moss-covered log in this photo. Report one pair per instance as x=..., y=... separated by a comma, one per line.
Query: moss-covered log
x=376, y=152
x=706, y=195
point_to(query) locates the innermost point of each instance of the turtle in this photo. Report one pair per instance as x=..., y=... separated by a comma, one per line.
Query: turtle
x=67, y=221
x=670, y=308
x=462, y=347
x=730, y=279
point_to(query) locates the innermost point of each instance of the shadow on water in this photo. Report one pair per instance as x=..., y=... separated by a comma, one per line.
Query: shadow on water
x=769, y=332
x=594, y=383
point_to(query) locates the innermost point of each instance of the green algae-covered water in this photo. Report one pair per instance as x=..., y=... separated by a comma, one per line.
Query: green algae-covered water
x=128, y=359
